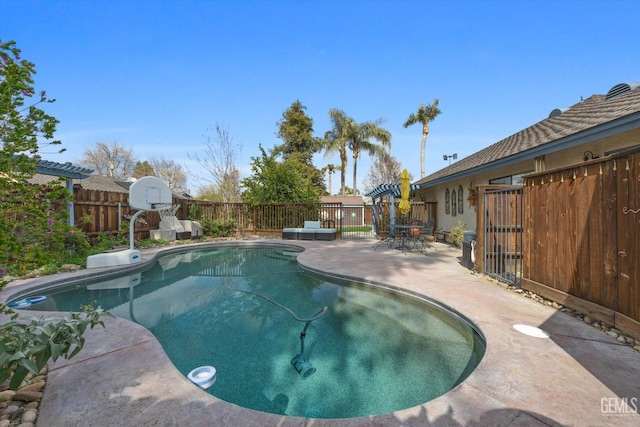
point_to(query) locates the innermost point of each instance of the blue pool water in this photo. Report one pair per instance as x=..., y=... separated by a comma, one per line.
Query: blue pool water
x=374, y=350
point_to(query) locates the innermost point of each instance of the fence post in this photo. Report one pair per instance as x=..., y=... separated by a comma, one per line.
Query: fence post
x=255, y=220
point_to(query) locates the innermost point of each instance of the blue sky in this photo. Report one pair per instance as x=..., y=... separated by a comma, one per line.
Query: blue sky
x=158, y=75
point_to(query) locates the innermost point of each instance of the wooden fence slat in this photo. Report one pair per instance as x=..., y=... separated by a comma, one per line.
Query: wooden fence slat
x=560, y=277
x=596, y=246
x=570, y=235
x=609, y=236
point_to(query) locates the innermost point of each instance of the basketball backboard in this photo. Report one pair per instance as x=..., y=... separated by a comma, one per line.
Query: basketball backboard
x=149, y=193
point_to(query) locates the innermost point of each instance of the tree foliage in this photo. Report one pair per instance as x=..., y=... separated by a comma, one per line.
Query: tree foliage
x=331, y=169
x=424, y=115
x=24, y=130
x=278, y=182
x=219, y=161
x=109, y=159
x=33, y=223
x=34, y=228
x=346, y=133
x=170, y=172
x=167, y=170
x=361, y=138
x=335, y=141
x=296, y=131
x=142, y=169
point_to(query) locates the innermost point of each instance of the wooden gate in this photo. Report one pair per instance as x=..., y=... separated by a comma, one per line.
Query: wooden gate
x=502, y=234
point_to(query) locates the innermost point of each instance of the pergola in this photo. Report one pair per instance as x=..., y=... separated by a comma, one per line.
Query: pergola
x=69, y=172
x=384, y=190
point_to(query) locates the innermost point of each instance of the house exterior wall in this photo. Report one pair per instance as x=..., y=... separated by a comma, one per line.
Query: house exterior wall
x=575, y=155
x=468, y=217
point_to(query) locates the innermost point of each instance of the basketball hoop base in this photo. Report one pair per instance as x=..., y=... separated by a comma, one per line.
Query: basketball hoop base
x=110, y=259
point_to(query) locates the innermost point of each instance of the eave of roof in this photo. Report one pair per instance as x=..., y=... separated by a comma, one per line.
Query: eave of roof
x=589, y=120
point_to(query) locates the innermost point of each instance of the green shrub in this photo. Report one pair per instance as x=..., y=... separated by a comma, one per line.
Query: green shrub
x=152, y=243
x=456, y=235
x=122, y=238
x=215, y=228
x=28, y=344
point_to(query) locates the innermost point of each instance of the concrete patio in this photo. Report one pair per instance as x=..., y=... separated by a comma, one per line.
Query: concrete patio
x=579, y=376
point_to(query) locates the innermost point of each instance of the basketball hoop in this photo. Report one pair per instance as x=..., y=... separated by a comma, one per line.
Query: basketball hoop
x=166, y=210
x=160, y=206
x=150, y=194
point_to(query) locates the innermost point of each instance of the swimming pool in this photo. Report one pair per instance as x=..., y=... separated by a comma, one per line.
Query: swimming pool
x=374, y=351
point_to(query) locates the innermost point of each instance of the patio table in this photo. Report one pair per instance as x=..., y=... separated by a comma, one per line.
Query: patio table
x=404, y=235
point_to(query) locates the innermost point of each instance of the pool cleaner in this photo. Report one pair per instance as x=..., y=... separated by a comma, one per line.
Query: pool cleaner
x=299, y=362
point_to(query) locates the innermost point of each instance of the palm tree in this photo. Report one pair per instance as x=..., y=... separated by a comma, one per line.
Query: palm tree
x=335, y=141
x=424, y=116
x=361, y=136
x=331, y=169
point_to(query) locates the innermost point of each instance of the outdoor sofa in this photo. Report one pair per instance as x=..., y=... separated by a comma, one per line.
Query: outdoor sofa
x=311, y=231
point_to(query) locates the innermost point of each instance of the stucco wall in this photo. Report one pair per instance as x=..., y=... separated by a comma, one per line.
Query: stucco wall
x=574, y=155
x=468, y=217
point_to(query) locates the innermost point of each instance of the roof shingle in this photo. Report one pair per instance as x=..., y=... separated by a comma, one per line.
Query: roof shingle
x=587, y=114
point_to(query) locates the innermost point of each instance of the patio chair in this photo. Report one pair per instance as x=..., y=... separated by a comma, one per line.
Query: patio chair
x=425, y=236
x=383, y=235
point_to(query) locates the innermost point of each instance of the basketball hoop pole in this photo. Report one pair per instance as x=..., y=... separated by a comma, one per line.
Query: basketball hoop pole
x=131, y=226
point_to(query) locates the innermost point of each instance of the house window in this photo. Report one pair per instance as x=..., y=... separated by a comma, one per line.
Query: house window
x=460, y=204
x=504, y=180
x=447, y=209
x=510, y=180
x=453, y=203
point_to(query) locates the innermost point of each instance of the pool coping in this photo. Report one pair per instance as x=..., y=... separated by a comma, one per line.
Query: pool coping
x=123, y=376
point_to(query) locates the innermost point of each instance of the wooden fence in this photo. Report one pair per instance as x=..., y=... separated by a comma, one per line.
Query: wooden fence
x=582, y=238
x=104, y=212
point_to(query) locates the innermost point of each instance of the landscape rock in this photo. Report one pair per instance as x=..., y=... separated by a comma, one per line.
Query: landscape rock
x=29, y=416
x=6, y=395
x=27, y=396
x=36, y=386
